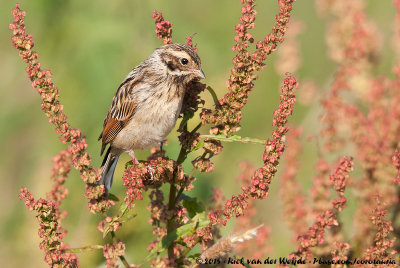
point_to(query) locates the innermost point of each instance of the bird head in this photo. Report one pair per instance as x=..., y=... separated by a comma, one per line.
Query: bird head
x=181, y=61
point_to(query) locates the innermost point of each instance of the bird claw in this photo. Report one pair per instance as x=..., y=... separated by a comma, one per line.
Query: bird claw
x=151, y=171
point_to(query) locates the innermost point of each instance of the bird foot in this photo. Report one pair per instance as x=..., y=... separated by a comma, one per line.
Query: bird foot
x=151, y=171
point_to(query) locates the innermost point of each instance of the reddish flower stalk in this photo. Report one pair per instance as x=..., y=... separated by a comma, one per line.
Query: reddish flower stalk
x=168, y=171
x=173, y=215
x=189, y=42
x=295, y=209
x=163, y=28
x=321, y=196
x=42, y=82
x=137, y=178
x=382, y=248
x=315, y=235
x=259, y=247
x=211, y=148
x=50, y=231
x=62, y=166
x=242, y=222
x=112, y=252
x=50, y=215
x=157, y=209
x=354, y=42
x=372, y=134
x=320, y=191
x=133, y=180
x=273, y=150
x=192, y=100
x=214, y=147
x=227, y=115
x=339, y=252
x=210, y=234
x=375, y=128
x=161, y=214
x=255, y=63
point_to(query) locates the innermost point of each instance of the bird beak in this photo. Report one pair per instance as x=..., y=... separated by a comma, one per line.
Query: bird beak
x=200, y=74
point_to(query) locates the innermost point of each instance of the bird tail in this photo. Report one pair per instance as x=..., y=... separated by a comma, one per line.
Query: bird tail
x=108, y=168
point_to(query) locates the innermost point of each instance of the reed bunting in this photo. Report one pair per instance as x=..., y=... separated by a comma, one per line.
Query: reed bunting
x=147, y=104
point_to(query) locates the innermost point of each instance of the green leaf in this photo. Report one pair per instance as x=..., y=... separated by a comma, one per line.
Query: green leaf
x=128, y=164
x=112, y=197
x=214, y=96
x=124, y=214
x=192, y=205
x=193, y=257
x=233, y=138
x=200, y=220
x=168, y=239
x=199, y=145
x=107, y=229
x=185, y=119
x=123, y=208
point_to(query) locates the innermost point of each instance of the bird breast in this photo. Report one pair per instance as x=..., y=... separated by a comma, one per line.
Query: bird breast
x=154, y=118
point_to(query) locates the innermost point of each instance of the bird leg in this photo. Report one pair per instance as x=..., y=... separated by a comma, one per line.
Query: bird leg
x=161, y=146
x=132, y=155
x=136, y=162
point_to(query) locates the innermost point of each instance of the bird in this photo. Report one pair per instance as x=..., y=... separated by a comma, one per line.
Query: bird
x=147, y=104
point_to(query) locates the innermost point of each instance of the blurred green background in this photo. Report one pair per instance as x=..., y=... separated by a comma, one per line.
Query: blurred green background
x=90, y=46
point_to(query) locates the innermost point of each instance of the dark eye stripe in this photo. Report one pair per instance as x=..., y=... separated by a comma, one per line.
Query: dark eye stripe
x=171, y=65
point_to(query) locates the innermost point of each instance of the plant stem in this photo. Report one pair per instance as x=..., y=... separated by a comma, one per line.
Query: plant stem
x=122, y=258
x=196, y=128
x=170, y=223
x=172, y=197
x=83, y=249
x=186, y=252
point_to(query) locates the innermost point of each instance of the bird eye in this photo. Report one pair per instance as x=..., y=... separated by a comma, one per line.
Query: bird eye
x=184, y=61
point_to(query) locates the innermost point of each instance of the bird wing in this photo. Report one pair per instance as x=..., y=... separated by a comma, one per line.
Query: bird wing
x=121, y=110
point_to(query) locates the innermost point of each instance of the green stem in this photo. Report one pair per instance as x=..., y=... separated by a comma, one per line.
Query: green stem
x=83, y=249
x=196, y=128
x=233, y=138
x=122, y=258
x=172, y=199
x=170, y=223
x=186, y=252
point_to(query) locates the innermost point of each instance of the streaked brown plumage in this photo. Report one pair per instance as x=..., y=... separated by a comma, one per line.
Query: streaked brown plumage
x=147, y=104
